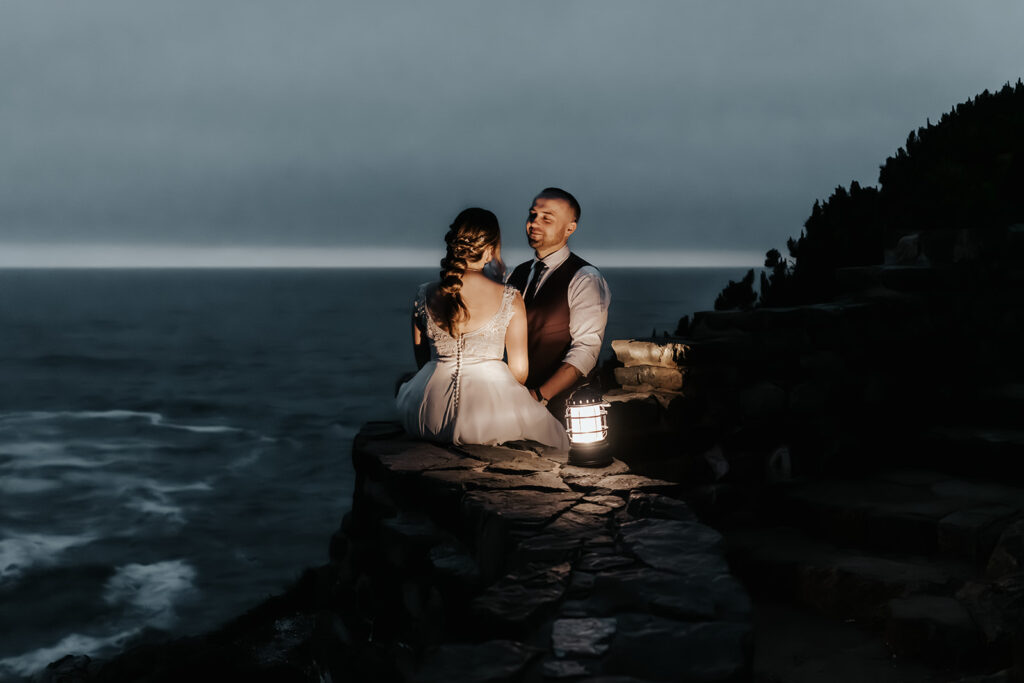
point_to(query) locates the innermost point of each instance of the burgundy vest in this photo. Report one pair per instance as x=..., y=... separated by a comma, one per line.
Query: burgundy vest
x=547, y=318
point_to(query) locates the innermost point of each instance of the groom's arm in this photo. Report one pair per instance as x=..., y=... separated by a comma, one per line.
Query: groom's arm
x=589, y=298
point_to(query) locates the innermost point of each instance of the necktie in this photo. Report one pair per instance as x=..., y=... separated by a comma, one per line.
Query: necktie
x=538, y=272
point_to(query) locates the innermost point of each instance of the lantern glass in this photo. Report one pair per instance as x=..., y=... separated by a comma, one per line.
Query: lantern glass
x=587, y=423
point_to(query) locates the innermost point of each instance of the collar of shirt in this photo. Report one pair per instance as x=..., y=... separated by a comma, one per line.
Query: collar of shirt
x=552, y=261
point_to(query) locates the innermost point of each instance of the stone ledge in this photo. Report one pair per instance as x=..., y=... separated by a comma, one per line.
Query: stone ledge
x=566, y=571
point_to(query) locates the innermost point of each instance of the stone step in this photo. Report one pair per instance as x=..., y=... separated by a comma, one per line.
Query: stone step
x=999, y=403
x=795, y=645
x=905, y=511
x=971, y=450
x=781, y=563
x=937, y=629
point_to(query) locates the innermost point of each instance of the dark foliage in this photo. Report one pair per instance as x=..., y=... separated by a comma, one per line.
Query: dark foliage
x=957, y=181
x=739, y=295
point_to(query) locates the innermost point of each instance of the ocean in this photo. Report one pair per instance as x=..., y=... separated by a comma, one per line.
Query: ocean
x=174, y=444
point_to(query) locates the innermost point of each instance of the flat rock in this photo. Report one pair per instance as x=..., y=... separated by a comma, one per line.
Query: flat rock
x=521, y=507
x=661, y=649
x=419, y=456
x=669, y=354
x=588, y=477
x=489, y=662
x=520, y=596
x=673, y=545
x=591, y=509
x=588, y=636
x=658, y=506
x=564, y=669
x=480, y=479
x=653, y=375
x=631, y=482
x=642, y=392
x=613, y=502
x=453, y=563
x=932, y=627
x=972, y=533
x=575, y=524
x=508, y=458
x=596, y=562
x=546, y=548
x=836, y=581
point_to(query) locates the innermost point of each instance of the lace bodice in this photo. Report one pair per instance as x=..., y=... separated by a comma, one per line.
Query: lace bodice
x=483, y=343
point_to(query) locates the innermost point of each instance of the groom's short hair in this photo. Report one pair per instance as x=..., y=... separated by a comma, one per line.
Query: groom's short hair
x=559, y=193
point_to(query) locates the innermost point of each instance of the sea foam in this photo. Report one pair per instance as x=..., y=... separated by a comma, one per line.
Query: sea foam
x=150, y=591
x=21, y=552
x=76, y=643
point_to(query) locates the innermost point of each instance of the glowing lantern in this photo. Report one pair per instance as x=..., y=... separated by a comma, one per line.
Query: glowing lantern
x=586, y=421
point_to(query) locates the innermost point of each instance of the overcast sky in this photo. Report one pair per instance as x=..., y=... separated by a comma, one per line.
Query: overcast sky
x=680, y=125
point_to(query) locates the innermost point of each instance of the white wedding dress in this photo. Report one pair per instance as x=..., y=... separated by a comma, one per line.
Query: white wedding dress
x=467, y=394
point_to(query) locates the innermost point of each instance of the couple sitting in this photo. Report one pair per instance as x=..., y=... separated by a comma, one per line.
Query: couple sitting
x=549, y=319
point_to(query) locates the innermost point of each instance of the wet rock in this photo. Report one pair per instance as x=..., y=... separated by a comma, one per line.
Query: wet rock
x=582, y=637
x=495, y=661
x=67, y=669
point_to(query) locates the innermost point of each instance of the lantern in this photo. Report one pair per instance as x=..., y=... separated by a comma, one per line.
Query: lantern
x=586, y=421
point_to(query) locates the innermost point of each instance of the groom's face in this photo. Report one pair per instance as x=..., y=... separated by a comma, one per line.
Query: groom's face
x=549, y=225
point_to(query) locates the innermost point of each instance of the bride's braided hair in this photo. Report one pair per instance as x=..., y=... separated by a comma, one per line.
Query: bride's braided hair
x=472, y=232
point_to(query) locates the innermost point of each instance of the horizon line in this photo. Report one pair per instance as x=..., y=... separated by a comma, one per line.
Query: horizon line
x=119, y=256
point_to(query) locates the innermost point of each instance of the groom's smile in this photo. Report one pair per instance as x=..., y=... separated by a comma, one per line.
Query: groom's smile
x=549, y=225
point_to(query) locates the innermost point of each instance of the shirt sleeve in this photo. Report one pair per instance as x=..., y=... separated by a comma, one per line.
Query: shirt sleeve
x=589, y=297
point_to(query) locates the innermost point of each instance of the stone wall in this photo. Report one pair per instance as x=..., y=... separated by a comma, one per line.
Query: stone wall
x=495, y=563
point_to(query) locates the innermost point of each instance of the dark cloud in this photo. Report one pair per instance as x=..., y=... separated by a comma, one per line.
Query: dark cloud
x=687, y=124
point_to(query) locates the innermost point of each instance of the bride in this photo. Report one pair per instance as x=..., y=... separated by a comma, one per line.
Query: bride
x=462, y=327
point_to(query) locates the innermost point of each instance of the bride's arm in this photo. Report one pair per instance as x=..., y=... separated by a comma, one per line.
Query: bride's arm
x=515, y=341
x=420, y=347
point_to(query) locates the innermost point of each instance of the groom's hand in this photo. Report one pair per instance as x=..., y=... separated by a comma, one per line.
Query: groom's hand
x=565, y=376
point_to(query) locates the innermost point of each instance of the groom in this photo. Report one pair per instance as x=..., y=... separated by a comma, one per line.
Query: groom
x=566, y=302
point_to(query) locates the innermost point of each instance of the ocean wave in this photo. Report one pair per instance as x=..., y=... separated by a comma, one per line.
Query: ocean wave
x=19, y=553
x=69, y=360
x=151, y=590
x=173, y=513
x=28, y=663
x=26, y=485
x=155, y=419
